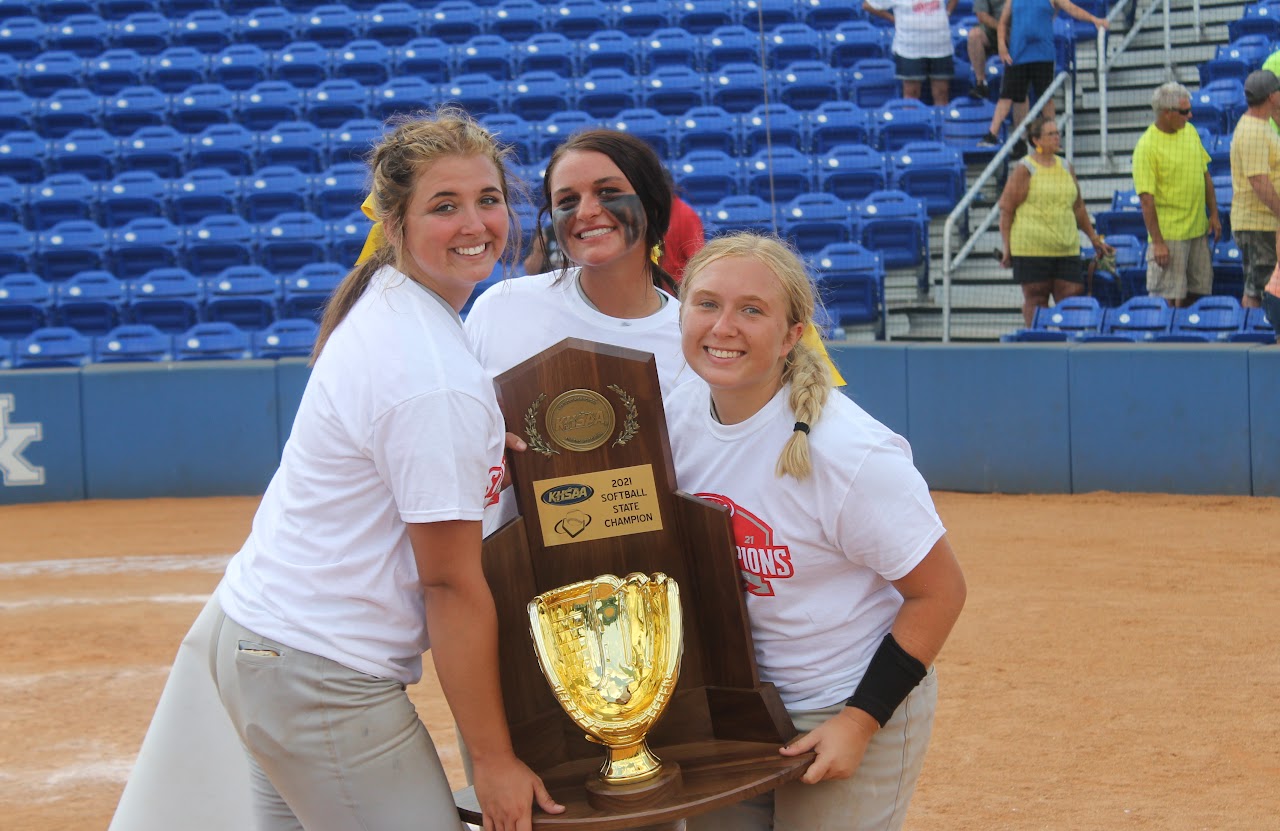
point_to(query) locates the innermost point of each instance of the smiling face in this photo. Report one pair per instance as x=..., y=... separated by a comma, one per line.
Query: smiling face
x=456, y=226
x=598, y=216
x=736, y=335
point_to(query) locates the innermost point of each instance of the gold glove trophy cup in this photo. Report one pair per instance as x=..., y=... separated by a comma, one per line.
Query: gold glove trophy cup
x=655, y=663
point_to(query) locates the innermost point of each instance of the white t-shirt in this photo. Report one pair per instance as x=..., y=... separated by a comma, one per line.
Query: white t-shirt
x=817, y=555
x=398, y=424
x=920, y=27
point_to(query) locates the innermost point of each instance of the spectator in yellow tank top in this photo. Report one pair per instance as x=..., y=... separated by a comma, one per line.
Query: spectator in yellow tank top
x=1040, y=211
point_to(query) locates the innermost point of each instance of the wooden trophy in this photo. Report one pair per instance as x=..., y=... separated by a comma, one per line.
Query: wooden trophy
x=597, y=495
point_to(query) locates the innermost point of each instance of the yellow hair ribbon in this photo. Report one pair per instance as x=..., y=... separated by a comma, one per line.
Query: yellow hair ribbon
x=811, y=339
x=375, y=239
x=656, y=254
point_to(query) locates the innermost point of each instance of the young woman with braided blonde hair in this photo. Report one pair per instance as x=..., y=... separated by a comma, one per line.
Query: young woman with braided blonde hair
x=851, y=585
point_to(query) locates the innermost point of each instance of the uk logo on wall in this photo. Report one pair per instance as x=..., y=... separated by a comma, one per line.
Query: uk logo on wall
x=15, y=468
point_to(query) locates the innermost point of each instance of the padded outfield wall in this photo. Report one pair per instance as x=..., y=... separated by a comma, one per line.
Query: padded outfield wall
x=1009, y=418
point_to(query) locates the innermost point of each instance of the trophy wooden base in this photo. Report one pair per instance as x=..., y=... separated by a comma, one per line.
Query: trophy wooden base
x=613, y=799
x=713, y=774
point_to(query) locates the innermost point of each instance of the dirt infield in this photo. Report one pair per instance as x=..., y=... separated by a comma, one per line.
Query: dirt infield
x=1116, y=665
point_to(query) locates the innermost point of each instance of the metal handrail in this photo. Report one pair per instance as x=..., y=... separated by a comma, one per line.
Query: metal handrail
x=1063, y=80
x=1107, y=63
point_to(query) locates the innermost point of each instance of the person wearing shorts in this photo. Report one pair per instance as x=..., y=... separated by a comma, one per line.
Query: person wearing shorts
x=1025, y=34
x=922, y=47
x=1171, y=176
x=1255, y=177
x=983, y=42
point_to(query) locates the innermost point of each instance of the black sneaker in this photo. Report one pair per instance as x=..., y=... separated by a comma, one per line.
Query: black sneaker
x=989, y=140
x=980, y=90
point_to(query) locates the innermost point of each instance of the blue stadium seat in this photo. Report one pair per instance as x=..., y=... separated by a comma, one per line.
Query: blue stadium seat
x=1130, y=276
x=114, y=70
x=702, y=18
x=23, y=37
x=286, y=339
x=964, y=123
x=872, y=82
x=236, y=8
x=1249, y=51
x=1219, y=105
x=839, y=122
x=272, y=191
x=406, y=94
x=228, y=146
x=26, y=302
x=513, y=130
x=307, y=290
x=903, y=120
x=559, y=126
x=1223, y=190
x=813, y=221
x=364, y=61
x=855, y=40
x=576, y=19
x=12, y=199
x=346, y=237
x=1256, y=328
x=650, y=125
x=1258, y=19
x=791, y=42
x=775, y=124
x=209, y=30
x=239, y=66
x=768, y=14
x=606, y=92
x=244, y=296
x=850, y=283
x=299, y=144
x=482, y=95
x=201, y=106
x=292, y=240
x=894, y=224
x=779, y=174
x=534, y=96
x=161, y=150
x=730, y=44
x=303, y=64
x=90, y=152
x=49, y=72
x=1139, y=318
x=491, y=55
x=58, y=198
x=133, y=108
x=930, y=171
x=84, y=34
x=1213, y=318
x=269, y=103
x=330, y=25
x=120, y=9
x=217, y=242
x=352, y=141
x=740, y=213
x=672, y=90
x=205, y=191
x=89, y=302
x=17, y=111
x=1109, y=223
x=393, y=24
x=24, y=156
x=824, y=15
x=456, y=21
x=52, y=346
x=706, y=128
x=177, y=9
x=176, y=68
x=19, y=8
x=335, y=102
x=1228, y=269
x=1218, y=148
x=10, y=68
x=67, y=110
x=611, y=49
x=339, y=190
x=212, y=342
x=425, y=58
x=69, y=247
x=170, y=299
x=1227, y=62
x=671, y=47
x=707, y=176
x=805, y=85
x=17, y=248
x=133, y=342
x=269, y=27
x=130, y=195
x=1125, y=200
x=146, y=33
x=142, y=245
x=740, y=87
x=639, y=18
x=852, y=171
x=546, y=52
x=1074, y=316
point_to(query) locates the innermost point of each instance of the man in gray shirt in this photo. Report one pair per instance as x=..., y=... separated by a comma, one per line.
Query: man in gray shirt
x=982, y=41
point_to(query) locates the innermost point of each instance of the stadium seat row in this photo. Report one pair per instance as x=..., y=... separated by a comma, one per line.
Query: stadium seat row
x=1214, y=319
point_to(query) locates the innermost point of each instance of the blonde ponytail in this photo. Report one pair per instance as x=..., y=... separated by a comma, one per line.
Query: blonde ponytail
x=806, y=371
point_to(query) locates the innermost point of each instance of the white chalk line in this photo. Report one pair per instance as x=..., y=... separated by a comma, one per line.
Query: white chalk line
x=216, y=563
x=30, y=603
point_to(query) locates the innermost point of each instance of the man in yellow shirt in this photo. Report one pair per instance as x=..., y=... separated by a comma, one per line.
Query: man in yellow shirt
x=1171, y=176
x=1255, y=183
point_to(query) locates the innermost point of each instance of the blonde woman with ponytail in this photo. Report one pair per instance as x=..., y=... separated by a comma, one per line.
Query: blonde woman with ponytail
x=365, y=549
x=850, y=583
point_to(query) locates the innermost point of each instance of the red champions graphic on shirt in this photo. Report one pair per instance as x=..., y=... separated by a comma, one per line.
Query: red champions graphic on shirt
x=495, y=484
x=758, y=558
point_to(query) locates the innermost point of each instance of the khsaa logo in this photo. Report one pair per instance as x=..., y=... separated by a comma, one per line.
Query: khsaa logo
x=570, y=494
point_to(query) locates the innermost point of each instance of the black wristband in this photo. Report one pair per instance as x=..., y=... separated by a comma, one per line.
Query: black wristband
x=889, y=679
